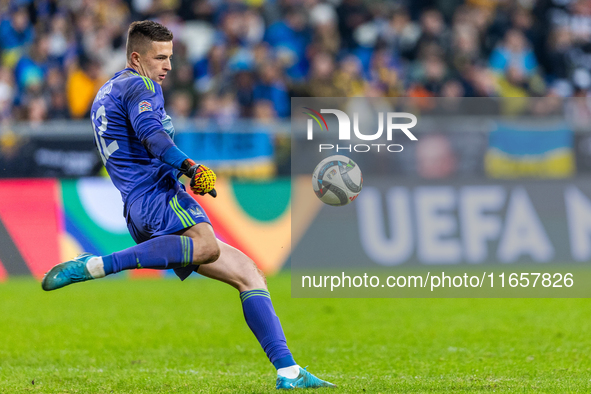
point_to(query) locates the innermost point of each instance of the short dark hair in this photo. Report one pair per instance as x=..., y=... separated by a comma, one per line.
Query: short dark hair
x=142, y=33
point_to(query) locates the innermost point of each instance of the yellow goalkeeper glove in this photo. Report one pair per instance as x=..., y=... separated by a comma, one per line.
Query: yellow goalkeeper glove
x=202, y=178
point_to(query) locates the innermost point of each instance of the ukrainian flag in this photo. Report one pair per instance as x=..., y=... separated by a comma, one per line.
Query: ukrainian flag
x=540, y=151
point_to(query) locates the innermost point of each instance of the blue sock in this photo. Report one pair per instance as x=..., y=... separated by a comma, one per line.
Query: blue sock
x=264, y=323
x=167, y=251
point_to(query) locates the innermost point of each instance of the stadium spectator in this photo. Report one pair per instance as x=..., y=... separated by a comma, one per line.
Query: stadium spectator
x=82, y=84
x=351, y=14
x=326, y=38
x=264, y=112
x=401, y=33
x=17, y=32
x=271, y=87
x=60, y=38
x=321, y=78
x=208, y=72
x=244, y=81
x=558, y=64
x=208, y=107
x=386, y=70
x=430, y=74
x=433, y=31
x=58, y=106
x=31, y=69
x=36, y=111
x=348, y=78
x=289, y=38
x=514, y=53
x=465, y=48
x=228, y=110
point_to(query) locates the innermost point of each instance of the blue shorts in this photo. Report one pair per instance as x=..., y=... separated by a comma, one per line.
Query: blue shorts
x=164, y=212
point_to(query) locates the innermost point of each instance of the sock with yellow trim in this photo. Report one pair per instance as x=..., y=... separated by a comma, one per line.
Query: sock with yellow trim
x=167, y=251
x=264, y=323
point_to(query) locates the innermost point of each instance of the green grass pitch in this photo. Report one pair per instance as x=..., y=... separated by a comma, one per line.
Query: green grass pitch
x=164, y=336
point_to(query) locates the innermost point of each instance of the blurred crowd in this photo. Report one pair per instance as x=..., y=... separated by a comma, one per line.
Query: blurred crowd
x=237, y=59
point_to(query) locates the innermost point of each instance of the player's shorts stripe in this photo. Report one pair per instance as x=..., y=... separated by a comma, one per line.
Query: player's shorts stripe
x=178, y=214
x=183, y=212
x=181, y=217
x=252, y=293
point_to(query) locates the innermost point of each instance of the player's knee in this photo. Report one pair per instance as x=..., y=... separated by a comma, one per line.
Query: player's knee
x=210, y=253
x=206, y=252
x=214, y=253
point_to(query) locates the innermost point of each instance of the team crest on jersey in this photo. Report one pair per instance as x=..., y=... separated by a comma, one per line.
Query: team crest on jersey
x=196, y=212
x=145, y=106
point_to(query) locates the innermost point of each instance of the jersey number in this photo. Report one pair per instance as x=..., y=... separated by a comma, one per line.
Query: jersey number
x=101, y=144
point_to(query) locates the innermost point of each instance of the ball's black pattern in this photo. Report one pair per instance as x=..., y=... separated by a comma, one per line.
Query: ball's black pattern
x=324, y=185
x=347, y=179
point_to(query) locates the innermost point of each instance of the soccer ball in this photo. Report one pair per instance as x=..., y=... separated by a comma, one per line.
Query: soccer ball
x=337, y=180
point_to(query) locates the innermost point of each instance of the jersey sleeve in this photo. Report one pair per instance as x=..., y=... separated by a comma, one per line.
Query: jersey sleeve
x=142, y=100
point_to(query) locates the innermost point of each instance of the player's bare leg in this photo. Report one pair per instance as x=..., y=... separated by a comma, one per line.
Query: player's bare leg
x=223, y=262
x=233, y=267
x=236, y=269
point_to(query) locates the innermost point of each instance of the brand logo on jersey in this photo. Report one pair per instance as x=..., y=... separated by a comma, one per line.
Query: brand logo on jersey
x=145, y=106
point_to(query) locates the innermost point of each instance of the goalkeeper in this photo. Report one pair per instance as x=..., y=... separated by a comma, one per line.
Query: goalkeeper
x=133, y=135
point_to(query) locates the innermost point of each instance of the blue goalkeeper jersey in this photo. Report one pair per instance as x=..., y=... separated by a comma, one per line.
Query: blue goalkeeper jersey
x=126, y=111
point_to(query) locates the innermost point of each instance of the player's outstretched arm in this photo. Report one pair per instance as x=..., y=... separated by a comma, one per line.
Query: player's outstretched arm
x=159, y=144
